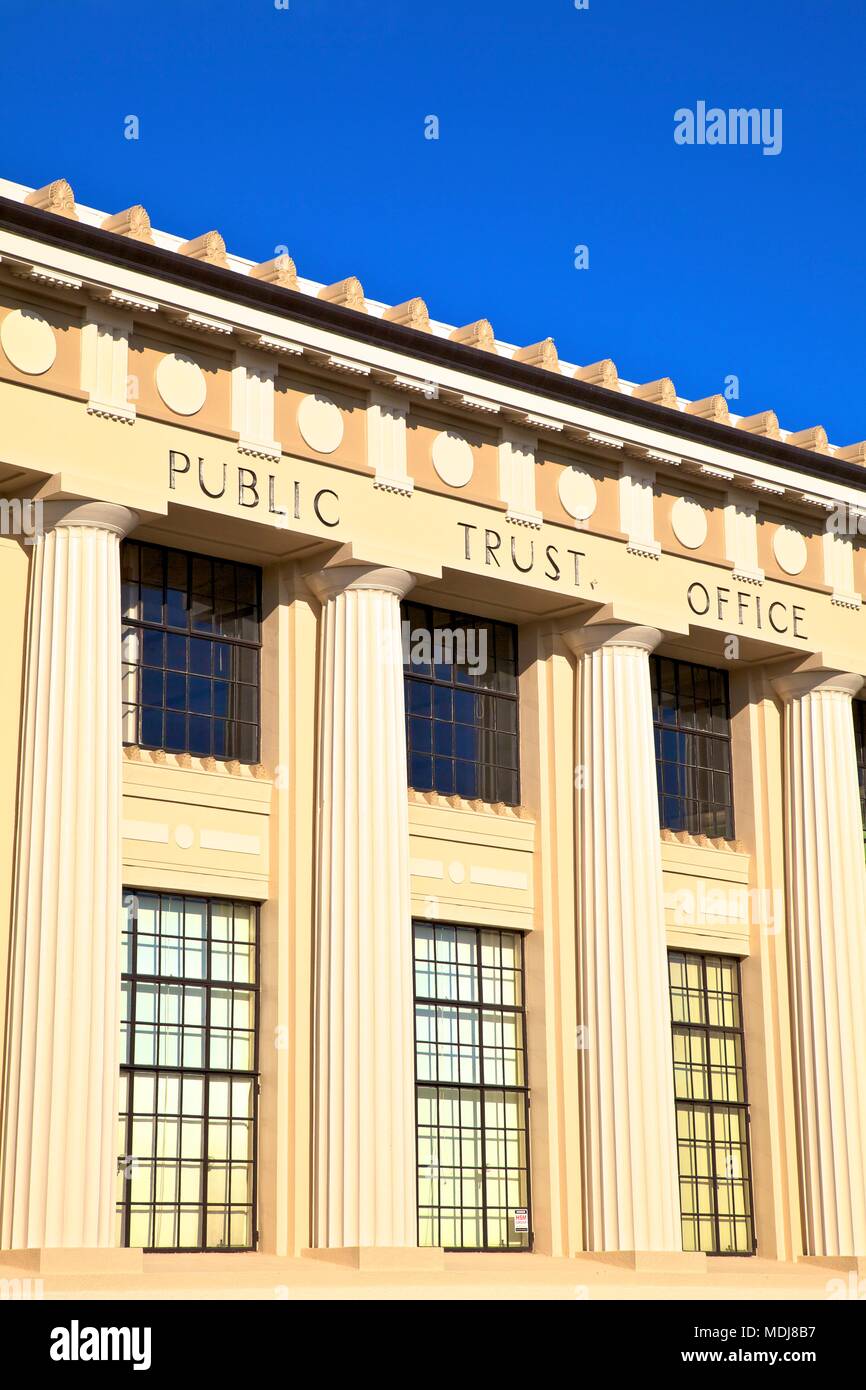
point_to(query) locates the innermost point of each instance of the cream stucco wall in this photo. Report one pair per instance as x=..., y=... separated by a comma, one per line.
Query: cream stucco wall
x=204, y=827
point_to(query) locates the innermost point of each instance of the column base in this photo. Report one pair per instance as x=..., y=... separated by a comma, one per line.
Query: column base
x=382, y=1259
x=49, y=1260
x=650, y=1261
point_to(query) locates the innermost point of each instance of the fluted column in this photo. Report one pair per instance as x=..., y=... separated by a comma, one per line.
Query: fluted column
x=631, y=1191
x=826, y=883
x=364, y=1116
x=59, y=1135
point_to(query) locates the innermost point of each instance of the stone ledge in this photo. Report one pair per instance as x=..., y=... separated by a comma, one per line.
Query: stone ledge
x=459, y=803
x=61, y=1260
x=649, y=1261
x=684, y=837
x=846, y=1264
x=382, y=1259
x=224, y=767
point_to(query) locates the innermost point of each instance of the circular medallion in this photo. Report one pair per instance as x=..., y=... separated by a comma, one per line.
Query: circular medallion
x=181, y=383
x=28, y=341
x=452, y=458
x=789, y=548
x=689, y=522
x=577, y=492
x=321, y=423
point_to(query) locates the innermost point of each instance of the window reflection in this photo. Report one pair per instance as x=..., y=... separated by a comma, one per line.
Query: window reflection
x=186, y=1133
x=711, y=1104
x=471, y=1096
x=190, y=642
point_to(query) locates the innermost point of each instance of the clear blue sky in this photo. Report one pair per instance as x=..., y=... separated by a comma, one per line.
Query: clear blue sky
x=305, y=126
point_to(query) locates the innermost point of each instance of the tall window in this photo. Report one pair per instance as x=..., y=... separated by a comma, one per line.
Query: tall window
x=472, y=1097
x=711, y=1104
x=191, y=646
x=187, y=1130
x=860, y=744
x=691, y=714
x=461, y=704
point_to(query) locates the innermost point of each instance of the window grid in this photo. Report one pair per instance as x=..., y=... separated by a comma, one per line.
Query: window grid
x=472, y=1097
x=691, y=719
x=462, y=734
x=191, y=649
x=712, y=1109
x=189, y=1084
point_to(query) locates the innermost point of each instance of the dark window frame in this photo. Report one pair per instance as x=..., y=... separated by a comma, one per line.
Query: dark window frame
x=129, y=1067
x=479, y=1007
x=694, y=810
x=442, y=618
x=709, y=1103
x=134, y=709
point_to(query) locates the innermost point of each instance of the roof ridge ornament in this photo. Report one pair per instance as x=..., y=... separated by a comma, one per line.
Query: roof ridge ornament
x=765, y=423
x=412, y=313
x=814, y=439
x=132, y=222
x=56, y=197
x=209, y=247
x=603, y=373
x=278, y=271
x=710, y=408
x=661, y=392
x=478, y=334
x=543, y=354
x=348, y=292
x=853, y=453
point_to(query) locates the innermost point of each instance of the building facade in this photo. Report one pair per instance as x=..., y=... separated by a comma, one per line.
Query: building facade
x=431, y=796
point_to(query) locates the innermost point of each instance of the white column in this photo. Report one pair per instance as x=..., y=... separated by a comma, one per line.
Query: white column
x=826, y=883
x=631, y=1189
x=59, y=1144
x=364, y=1116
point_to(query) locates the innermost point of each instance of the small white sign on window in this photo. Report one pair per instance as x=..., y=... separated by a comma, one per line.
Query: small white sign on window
x=521, y=1219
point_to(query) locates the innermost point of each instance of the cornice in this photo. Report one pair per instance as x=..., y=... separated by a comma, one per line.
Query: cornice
x=253, y=292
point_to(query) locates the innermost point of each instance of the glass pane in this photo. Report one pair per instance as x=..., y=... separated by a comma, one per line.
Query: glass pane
x=471, y=747
x=178, y=1024
x=472, y=1143
x=712, y=1124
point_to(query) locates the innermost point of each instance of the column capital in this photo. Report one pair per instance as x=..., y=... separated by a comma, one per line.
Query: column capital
x=103, y=516
x=591, y=636
x=339, y=579
x=798, y=683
